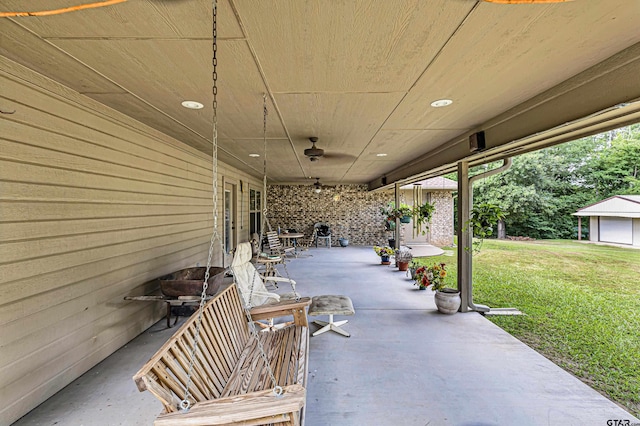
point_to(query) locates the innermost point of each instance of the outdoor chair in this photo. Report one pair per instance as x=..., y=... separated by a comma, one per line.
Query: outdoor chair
x=323, y=232
x=255, y=244
x=305, y=243
x=276, y=247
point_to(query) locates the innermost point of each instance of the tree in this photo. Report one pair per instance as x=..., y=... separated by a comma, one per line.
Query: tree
x=542, y=189
x=616, y=169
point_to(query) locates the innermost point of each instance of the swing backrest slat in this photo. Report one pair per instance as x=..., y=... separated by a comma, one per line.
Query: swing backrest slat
x=224, y=336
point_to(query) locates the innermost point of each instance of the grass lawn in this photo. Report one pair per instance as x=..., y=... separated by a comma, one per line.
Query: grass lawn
x=582, y=306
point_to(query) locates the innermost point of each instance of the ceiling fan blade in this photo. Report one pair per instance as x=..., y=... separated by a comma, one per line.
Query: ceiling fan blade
x=336, y=156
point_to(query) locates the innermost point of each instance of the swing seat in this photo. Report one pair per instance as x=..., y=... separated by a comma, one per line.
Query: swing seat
x=230, y=384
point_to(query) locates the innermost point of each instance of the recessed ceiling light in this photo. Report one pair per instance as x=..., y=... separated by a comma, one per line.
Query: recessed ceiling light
x=254, y=155
x=192, y=105
x=441, y=103
x=381, y=155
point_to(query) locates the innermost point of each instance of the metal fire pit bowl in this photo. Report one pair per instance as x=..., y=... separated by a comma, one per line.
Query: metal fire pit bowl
x=188, y=282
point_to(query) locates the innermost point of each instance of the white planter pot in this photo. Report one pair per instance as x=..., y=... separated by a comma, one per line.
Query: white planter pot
x=447, y=300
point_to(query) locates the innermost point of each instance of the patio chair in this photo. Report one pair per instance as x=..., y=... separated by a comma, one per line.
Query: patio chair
x=252, y=285
x=276, y=247
x=323, y=232
x=307, y=242
x=255, y=244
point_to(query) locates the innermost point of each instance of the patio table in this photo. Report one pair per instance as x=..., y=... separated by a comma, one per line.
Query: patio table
x=290, y=239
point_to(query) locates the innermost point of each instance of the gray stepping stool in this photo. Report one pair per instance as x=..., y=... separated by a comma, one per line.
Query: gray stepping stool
x=331, y=305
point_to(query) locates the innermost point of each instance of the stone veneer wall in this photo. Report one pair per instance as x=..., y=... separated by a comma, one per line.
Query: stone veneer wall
x=441, y=230
x=350, y=210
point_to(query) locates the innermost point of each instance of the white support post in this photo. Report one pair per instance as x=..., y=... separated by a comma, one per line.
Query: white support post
x=579, y=228
x=464, y=236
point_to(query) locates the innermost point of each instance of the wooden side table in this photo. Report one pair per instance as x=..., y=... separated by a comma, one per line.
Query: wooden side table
x=270, y=270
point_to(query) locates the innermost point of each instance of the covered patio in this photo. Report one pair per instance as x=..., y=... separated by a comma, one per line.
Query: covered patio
x=107, y=137
x=405, y=364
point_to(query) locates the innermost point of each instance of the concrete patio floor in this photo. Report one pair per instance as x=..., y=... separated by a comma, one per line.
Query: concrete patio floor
x=405, y=364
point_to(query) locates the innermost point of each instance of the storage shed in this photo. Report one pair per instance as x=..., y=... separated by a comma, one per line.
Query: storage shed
x=614, y=220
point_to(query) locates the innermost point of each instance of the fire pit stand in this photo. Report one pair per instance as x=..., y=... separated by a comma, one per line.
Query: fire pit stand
x=177, y=301
x=184, y=287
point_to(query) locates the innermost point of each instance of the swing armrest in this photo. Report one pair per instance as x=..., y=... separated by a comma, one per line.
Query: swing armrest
x=283, y=308
x=278, y=279
x=261, y=405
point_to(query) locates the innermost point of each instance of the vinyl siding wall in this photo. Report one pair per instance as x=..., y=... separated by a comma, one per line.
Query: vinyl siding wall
x=93, y=207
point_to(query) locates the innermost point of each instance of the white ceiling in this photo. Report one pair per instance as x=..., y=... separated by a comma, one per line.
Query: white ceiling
x=359, y=75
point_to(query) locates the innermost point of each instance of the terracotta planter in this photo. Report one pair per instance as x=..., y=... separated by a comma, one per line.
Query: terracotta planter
x=403, y=266
x=447, y=300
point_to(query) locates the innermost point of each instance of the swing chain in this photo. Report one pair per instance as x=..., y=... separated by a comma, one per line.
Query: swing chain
x=277, y=390
x=264, y=189
x=185, y=404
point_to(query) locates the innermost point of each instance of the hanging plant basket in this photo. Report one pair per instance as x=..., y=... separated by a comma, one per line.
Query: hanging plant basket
x=483, y=218
x=405, y=219
x=422, y=214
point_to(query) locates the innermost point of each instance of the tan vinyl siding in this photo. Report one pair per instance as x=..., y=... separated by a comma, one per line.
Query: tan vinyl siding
x=93, y=207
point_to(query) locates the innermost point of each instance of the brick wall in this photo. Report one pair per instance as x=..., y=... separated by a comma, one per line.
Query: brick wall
x=441, y=229
x=350, y=210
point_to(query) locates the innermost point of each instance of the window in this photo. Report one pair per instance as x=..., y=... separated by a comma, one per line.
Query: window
x=255, y=211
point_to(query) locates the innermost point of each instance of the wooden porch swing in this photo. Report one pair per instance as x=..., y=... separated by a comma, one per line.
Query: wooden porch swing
x=231, y=378
x=217, y=369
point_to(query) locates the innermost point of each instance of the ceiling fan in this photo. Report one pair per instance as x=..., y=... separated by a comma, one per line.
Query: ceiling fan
x=314, y=153
x=317, y=187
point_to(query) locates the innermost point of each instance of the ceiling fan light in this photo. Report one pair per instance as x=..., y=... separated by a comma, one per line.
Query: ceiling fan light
x=317, y=186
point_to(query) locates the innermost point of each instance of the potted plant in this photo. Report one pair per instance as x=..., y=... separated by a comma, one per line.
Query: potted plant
x=389, y=222
x=482, y=219
x=403, y=213
x=447, y=299
x=413, y=267
x=422, y=215
x=403, y=257
x=385, y=253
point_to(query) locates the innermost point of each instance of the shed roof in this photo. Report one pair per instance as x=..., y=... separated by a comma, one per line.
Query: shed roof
x=616, y=206
x=436, y=183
